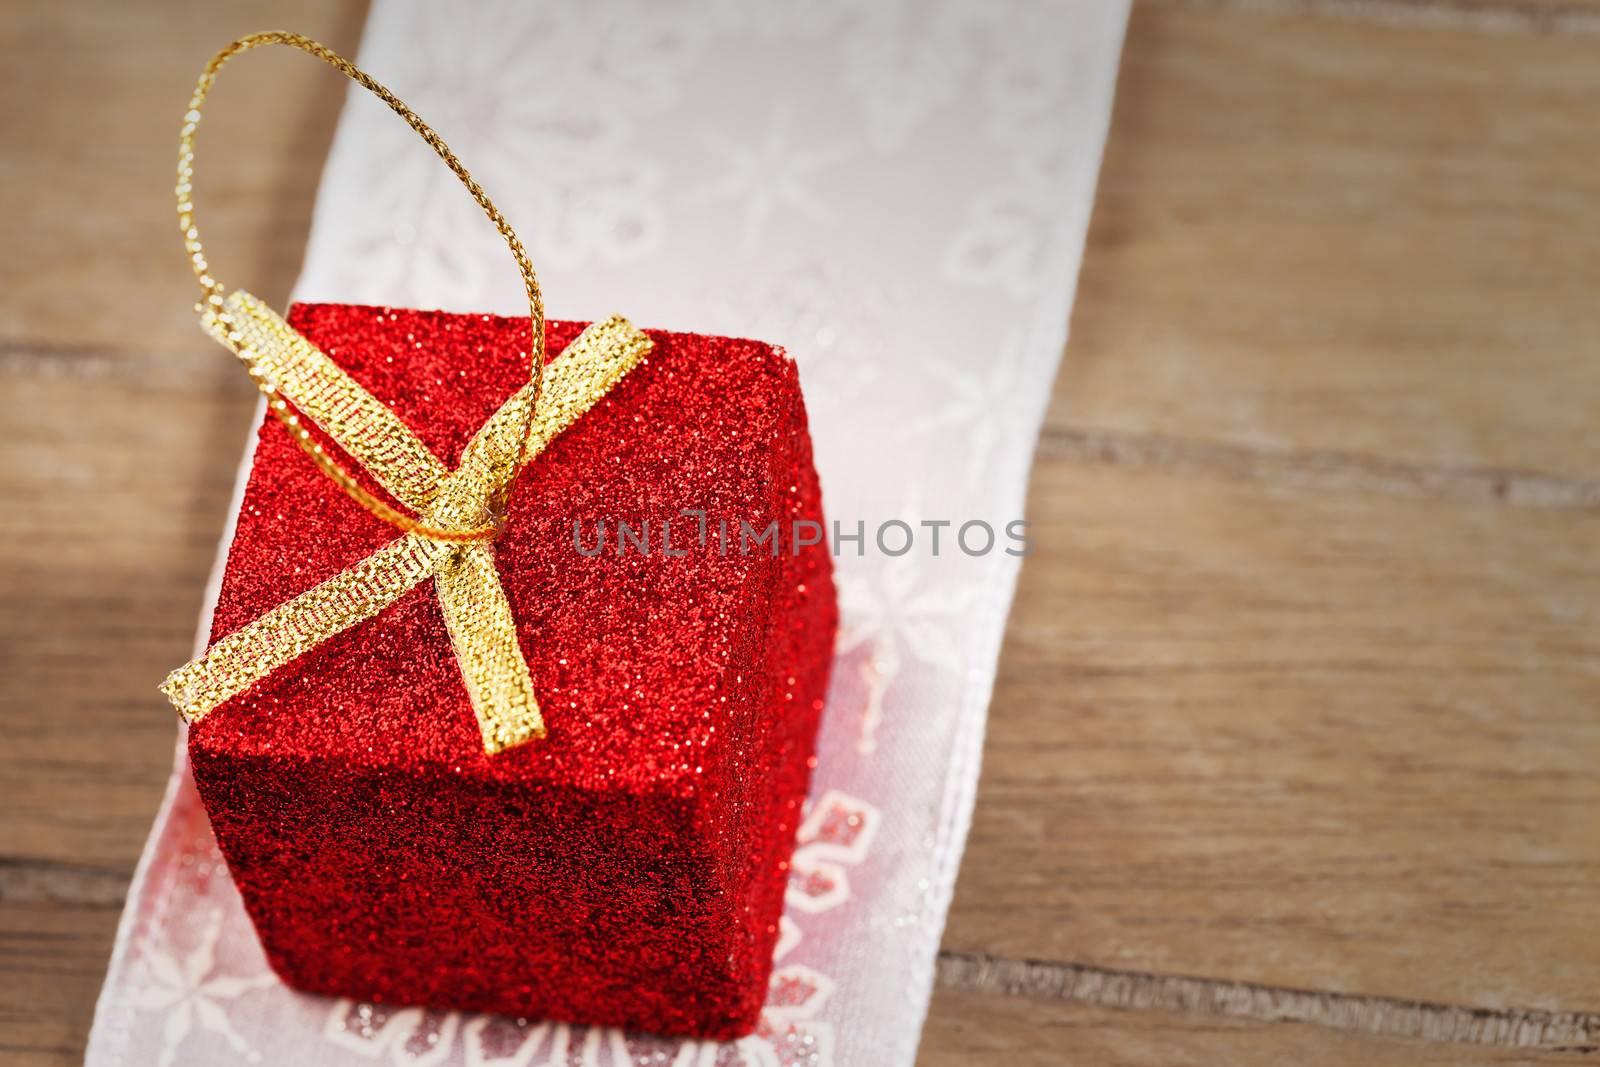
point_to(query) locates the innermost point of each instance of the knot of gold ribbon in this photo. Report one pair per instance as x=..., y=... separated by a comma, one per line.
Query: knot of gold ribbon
x=453, y=516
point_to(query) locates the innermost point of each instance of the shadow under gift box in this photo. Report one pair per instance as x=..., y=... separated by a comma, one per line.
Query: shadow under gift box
x=629, y=869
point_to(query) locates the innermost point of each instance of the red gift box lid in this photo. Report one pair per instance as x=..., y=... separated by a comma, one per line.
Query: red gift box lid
x=639, y=660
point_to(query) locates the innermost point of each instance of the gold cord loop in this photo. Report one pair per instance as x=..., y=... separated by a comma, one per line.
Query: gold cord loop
x=218, y=316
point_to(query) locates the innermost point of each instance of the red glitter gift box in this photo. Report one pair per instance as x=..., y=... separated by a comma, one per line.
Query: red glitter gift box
x=629, y=868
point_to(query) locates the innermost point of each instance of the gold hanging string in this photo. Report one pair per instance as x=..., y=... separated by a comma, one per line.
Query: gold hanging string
x=221, y=321
x=457, y=512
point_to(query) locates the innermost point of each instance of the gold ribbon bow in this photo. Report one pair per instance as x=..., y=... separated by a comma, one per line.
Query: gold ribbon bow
x=455, y=515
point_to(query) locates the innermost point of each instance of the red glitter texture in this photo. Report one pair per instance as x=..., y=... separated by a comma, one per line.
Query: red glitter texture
x=629, y=869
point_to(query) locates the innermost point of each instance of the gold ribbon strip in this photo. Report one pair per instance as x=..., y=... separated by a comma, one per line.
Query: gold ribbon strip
x=473, y=602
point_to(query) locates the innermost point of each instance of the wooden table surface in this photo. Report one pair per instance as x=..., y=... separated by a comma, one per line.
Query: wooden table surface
x=1295, y=751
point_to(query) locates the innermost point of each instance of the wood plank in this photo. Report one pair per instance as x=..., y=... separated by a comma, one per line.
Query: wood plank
x=965, y=1027
x=46, y=963
x=104, y=578
x=1339, y=741
x=122, y=431
x=1363, y=239
x=103, y=86
x=1379, y=1016
x=125, y=459
x=1297, y=691
x=1488, y=16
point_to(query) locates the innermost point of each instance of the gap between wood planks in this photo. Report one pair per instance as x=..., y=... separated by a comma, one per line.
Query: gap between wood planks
x=1386, y=1016
x=1291, y=467
x=1303, y=468
x=23, y=881
x=1485, y=16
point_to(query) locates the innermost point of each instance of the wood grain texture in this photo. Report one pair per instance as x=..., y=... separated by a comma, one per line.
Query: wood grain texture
x=1387, y=1017
x=1554, y=17
x=1344, y=741
x=97, y=91
x=51, y=963
x=121, y=431
x=1353, y=238
x=1300, y=688
x=1292, y=757
x=965, y=1028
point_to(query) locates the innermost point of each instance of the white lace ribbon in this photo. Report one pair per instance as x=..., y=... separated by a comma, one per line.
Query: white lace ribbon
x=897, y=192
